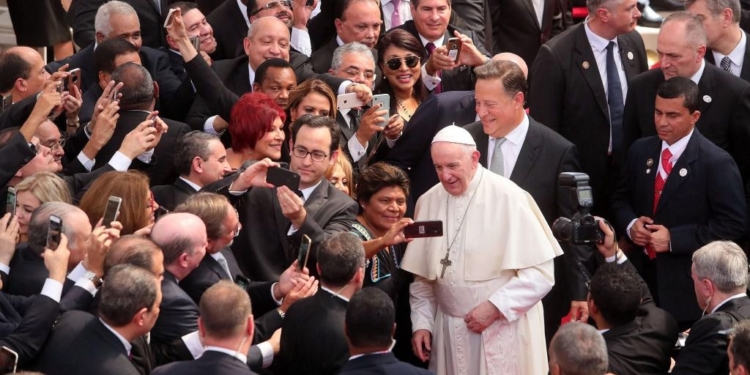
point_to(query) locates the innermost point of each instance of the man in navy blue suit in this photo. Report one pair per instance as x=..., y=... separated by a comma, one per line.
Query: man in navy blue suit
x=679, y=191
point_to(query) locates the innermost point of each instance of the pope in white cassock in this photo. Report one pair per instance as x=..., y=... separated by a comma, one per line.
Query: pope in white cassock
x=476, y=298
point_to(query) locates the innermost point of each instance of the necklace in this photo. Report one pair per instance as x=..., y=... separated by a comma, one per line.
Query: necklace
x=403, y=108
x=446, y=261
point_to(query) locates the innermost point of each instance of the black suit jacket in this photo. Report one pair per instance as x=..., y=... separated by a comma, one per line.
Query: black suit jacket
x=461, y=78
x=266, y=251
x=745, y=73
x=31, y=330
x=178, y=314
x=229, y=29
x=412, y=151
x=518, y=30
x=705, y=350
x=312, y=336
x=171, y=196
x=380, y=364
x=567, y=95
x=81, y=344
x=702, y=201
x=643, y=346
x=724, y=106
x=14, y=155
x=211, y=362
x=27, y=273
x=152, y=24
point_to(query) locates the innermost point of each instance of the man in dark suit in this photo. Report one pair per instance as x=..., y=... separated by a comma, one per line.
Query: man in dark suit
x=197, y=26
x=312, y=336
x=149, y=12
x=369, y=325
x=515, y=146
x=200, y=159
x=225, y=324
x=230, y=27
x=719, y=275
x=678, y=192
x=728, y=46
x=82, y=343
x=569, y=92
x=640, y=337
x=724, y=99
x=278, y=216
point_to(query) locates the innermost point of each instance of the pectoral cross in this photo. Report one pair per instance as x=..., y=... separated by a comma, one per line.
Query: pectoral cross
x=445, y=262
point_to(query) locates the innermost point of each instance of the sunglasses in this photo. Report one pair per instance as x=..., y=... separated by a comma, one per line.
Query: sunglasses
x=395, y=63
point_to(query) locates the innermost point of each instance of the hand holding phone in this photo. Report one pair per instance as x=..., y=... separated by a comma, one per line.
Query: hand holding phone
x=53, y=232
x=10, y=202
x=278, y=176
x=348, y=101
x=74, y=79
x=454, y=48
x=111, y=211
x=423, y=229
x=304, y=253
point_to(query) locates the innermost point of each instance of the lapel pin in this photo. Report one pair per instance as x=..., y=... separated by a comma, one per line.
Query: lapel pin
x=649, y=162
x=683, y=172
x=630, y=55
x=585, y=65
x=706, y=98
x=648, y=171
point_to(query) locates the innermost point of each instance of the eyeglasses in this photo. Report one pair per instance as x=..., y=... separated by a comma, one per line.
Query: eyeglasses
x=273, y=5
x=302, y=153
x=52, y=145
x=395, y=63
x=354, y=73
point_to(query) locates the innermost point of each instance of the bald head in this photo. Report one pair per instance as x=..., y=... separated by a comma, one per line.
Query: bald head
x=267, y=38
x=512, y=57
x=178, y=234
x=23, y=72
x=137, y=251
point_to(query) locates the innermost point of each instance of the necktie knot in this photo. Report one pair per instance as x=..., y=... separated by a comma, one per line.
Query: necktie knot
x=665, y=163
x=610, y=46
x=430, y=48
x=726, y=64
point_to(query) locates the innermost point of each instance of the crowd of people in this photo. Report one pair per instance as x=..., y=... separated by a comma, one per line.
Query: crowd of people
x=377, y=187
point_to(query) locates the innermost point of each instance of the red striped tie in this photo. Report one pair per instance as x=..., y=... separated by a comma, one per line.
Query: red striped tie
x=659, y=186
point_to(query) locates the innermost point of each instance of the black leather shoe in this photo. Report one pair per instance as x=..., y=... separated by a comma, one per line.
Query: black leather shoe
x=649, y=17
x=667, y=5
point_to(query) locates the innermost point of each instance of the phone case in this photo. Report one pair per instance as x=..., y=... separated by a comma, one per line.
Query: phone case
x=283, y=177
x=421, y=229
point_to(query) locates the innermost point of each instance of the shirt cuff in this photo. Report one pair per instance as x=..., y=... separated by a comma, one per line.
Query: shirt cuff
x=146, y=156
x=266, y=350
x=193, y=343
x=5, y=268
x=87, y=163
x=278, y=301
x=627, y=230
x=301, y=41
x=430, y=82
x=619, y=256
x=52, y=289
x=391, y=142
x=87, y=285
x=77, y=273
x=120, y=162
x=356, y=150
x=208, y=126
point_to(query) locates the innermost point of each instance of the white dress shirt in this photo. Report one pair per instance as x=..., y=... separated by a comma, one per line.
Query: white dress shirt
x=737, y=56
x=511, y=148
x=430, y=82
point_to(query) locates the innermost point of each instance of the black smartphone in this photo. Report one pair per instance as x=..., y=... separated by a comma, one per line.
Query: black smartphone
x=454, y=48
x=74, y=79
x=309, y=3
x=422, y=229
x=8, y=360
x=10, y=202
x=242, y=281
x=53, y=232
x=7, y=102
x=283, y=177
x=112, y=210
x=304, y=252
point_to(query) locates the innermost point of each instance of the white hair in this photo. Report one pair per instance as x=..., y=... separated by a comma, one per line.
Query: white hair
x=102, y=22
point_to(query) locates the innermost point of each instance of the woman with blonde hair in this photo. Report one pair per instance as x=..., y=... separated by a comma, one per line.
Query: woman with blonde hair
x=34, y=191
x=340, y=175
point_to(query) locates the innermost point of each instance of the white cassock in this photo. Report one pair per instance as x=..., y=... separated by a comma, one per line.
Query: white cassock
x=503, y=253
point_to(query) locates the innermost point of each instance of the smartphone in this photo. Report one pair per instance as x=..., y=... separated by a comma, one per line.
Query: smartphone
x=304, y=253
x=385, y=100
x=283, y=177
x=454, y=48
x=7, y=102
x=421, y=229
x=242, y=281
x=168, y=20
x=8, y=360
x=53, y=232
x=112, y=210
x=347, y=101
x=196, y=40
x=309, y=3
x=60, y=87
x=113, y=97
x=10, y=202
x=74, y=79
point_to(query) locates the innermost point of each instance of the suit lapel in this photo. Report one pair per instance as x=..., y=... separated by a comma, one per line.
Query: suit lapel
x=528, y=4
x=109, y=337
x=466, y=113
x=745, y=73
x=677, y=177
x=706, y=88
x=586, y=62
x=528, y=155
x=347, y=131
x=627, y=57
x=482, y=140
x=282, y=224
x=214, y=266
x=183, y=186
x=650, y=164
x=317, y=199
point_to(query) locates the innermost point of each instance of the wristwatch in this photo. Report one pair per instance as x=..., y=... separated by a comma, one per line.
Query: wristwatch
x=93, y=278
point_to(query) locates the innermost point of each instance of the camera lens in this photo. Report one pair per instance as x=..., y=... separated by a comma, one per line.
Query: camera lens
x=562, y=228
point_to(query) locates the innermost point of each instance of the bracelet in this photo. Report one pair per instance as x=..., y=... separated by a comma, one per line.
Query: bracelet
x=281, y=313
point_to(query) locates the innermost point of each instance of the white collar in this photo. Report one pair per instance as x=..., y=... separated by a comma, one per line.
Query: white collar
x=437, y=42
x=598, y=43
x=697, y=76
x=383, y=2
x=243, y=11
x=738, y=53
x=518, y=135
x=191, y=183
x=740, y=295
x=251, y=74
x=339, y=41
x=306, y=192
x=122, y=339
x=335, y=293
x=678, y=147
x=235, y=354
x=218, y=256
x=603, y=331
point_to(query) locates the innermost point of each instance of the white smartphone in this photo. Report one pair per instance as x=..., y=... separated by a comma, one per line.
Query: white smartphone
x=111, y=211
x=168, y=20
x=348, y=101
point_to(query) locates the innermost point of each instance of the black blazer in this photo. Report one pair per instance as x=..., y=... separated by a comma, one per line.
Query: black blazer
x=312, y=336
x=171, y=196
x=229, y=29
x=724, y=106
x=705, y=350
x=412, y=151
x=461, y=78
x=28, y=273
x=519, y=30
x=81, y=344
x=30, y=332
x=152, y=24
x=745, y=73
x=380, y=364
x=14, y=155
x=211, y=362
x=571, y=100
x=702, y=201
x=178, y=314
x=266, y=251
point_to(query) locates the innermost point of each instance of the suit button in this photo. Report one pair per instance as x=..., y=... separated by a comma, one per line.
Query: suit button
x=26, y=160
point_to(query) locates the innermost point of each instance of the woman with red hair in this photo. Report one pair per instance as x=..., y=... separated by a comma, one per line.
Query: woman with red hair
x=257, y=129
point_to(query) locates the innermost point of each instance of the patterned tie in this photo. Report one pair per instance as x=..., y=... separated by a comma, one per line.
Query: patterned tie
x=726, y=64
x=497, y=163
x=395, y=16
x=224, y=265
x=614, y=99
x=430, y=49
x=659, y=187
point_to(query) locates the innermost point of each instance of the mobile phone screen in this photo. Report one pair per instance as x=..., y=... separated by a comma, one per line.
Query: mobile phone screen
x=110, y=213
x=53, y=233
x=304, y=252
x=10, y=202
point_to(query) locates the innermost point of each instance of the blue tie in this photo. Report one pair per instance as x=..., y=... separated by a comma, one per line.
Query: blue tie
x=614, y=99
